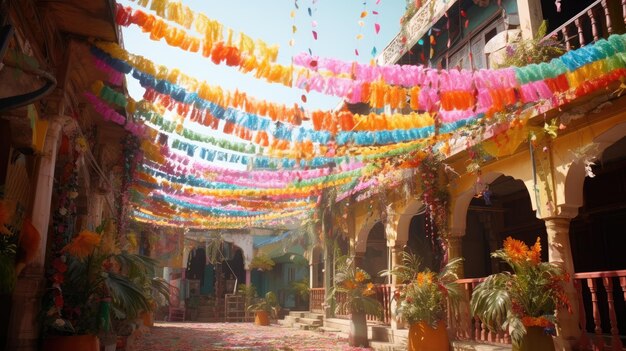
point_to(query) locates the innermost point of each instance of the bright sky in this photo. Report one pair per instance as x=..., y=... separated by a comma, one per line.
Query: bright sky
x=337, y=25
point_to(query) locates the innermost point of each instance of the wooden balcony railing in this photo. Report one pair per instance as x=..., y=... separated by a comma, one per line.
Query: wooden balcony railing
x=602, y=306
x=383, y=295
x=604, y=295
x=590, y=25
x=316, y=300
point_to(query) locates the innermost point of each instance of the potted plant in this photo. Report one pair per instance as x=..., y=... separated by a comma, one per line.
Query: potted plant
x=302, y=291
x=422, y=302
x=354, y=283
x=523, y=301
x=262, y=263
x=99, y=283
x=265, y=308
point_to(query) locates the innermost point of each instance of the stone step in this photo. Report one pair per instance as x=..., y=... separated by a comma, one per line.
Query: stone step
x=297, y=314
x=328, y=330
x=304, y=326
x=285, y=323
x=314, y=316
x=474, y=346
x=310, y=321
x=386, y=346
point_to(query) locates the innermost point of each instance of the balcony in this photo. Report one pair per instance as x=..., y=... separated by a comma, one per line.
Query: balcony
x=599, y=20
x=602, y=297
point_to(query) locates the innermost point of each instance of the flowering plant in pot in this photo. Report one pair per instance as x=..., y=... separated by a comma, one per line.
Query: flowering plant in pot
x=355, y=294
x=522, y=301
x=265, y=308
x=422, y=302
x=100, y=282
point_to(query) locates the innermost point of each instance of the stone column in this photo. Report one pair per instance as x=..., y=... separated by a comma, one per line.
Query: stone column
x=396, y=249
x=248, y=276
x=530, y=17
x=560, y=252
x=24, y=327
x=455, y=250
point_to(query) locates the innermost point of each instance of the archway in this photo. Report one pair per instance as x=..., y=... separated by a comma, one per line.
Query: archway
x=501, y=210
x=596, y=234
x=376, y=257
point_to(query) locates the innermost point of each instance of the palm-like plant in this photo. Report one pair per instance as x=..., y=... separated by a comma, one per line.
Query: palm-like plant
x=269, y=304
x=355, y=284
x=526, y=297
x=426, y=294
x=98, y=271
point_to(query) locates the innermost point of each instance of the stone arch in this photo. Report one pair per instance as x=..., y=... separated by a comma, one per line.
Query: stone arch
x=462, y=201
x=360, y=244
x=575, y=176
x=411, y=209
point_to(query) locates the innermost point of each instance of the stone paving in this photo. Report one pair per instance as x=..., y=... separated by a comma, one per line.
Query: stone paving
x=236, y=336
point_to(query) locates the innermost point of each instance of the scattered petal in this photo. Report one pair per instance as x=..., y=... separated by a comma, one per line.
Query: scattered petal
x=356, y=52
x=377, y=27
x=310, y=12
x=313, y=23
x=361, y=23
x=292, y=14
x=314, y=35
x=294, y=29
x=303, y=98
x=363, y=14
x=359, y=36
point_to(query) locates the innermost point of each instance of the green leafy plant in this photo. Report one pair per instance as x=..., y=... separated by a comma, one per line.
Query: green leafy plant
x=248, y=292
x=425, y=295
x=526, y=297
x=98, y=273
x=262, y=263
x=301, y=288
x=355, y=283
x=269, y=304
x=536, y=50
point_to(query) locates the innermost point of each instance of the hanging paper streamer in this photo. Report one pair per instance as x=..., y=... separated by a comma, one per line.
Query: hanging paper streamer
x=181, y=14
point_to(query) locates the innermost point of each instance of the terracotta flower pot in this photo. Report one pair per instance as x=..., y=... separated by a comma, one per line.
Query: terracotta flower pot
x=423, y=337
x=147, y=319
x=261, y=318
x=535, y=340
x=73, y=342
x=358, y=330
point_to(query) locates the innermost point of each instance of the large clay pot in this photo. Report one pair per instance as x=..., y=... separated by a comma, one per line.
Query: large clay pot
x=423, y=337
x=358, y=330
x=261, y=318
x=535, y=340
x=147, y=319
x=73, y=342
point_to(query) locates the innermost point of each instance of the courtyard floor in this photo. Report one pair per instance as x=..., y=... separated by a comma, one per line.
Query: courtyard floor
x=236, y=336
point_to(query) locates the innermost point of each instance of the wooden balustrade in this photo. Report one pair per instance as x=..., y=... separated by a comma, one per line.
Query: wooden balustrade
x=588, y=26
x=600, y=294
x=602, y=306
x=316, y=300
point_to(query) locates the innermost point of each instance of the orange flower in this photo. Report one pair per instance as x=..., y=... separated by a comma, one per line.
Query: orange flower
x=535, y=321
x=349, y=284
x=82, y=245
x=369, y=290
x=534, y=254
x=424, y=278
x=515, y=249
x=359, y=276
